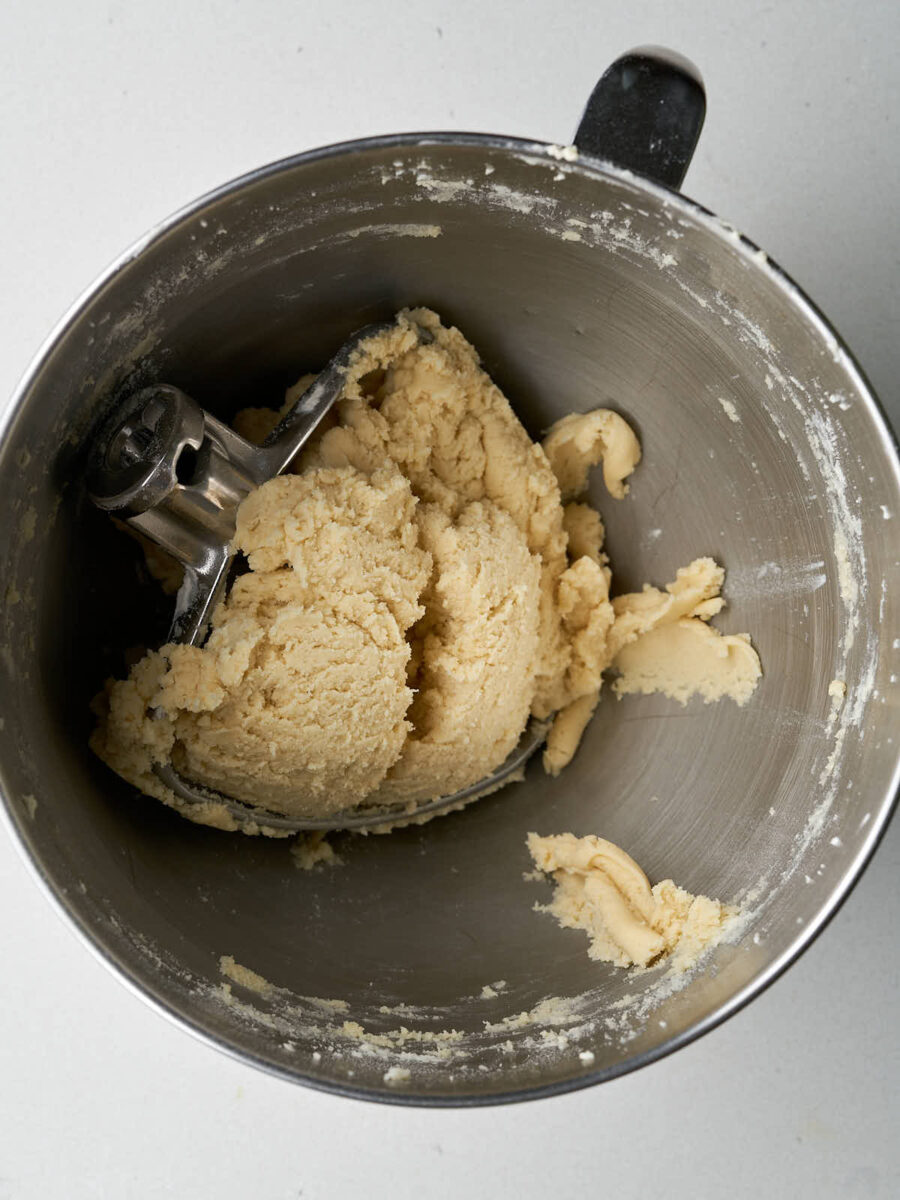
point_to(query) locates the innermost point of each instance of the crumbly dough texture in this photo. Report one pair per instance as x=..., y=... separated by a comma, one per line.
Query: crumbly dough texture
x=426, y=580
x=298, y=701
x=601, y=890
x=313, y=850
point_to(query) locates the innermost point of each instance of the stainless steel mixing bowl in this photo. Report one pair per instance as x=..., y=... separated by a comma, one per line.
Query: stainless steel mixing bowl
x=581, y=283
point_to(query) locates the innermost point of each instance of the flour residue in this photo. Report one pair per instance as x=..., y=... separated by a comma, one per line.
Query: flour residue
x=244, y=976
x=729, y=410
x=28, y=524
x=563, y=153
x=394, y=230
x=773, y=578
x=397, y=1075
x=447, y=1040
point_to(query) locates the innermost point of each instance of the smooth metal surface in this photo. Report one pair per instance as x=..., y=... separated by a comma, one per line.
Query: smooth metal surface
x=719, y=798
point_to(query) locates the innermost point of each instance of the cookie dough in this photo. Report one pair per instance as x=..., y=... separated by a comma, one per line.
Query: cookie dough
x=581, y=441
x=602, y=891
x=426, y=580
x=662, y=641
x=298, y=702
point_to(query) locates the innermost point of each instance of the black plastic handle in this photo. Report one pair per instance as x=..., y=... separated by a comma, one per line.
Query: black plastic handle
x=646, y=114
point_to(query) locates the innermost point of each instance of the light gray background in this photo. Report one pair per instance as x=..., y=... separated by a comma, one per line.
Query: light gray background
x=113, y=114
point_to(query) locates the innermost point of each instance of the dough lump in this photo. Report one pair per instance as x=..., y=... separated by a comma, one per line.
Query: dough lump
x=476, y=675
x=581, y=441
x=663, y=641
x=427, y=579
x=298, y=700
x=601, y=890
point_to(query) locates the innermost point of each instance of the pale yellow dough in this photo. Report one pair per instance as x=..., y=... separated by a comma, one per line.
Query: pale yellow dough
x=416, y=590
x=581, y=441
x=298, y=701
x=601, y=890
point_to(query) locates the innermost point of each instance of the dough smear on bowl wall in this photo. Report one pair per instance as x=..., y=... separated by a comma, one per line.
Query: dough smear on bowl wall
x=601, y=890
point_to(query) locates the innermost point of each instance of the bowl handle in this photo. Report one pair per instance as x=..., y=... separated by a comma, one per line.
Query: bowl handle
x=645, y=114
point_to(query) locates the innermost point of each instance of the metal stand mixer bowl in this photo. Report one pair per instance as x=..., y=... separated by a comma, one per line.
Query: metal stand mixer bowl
x=582, y=284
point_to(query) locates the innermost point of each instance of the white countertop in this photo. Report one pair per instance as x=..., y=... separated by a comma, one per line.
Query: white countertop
x=113, y=115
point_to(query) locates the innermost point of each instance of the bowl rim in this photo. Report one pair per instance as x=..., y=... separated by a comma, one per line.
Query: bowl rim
x=593, y=168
